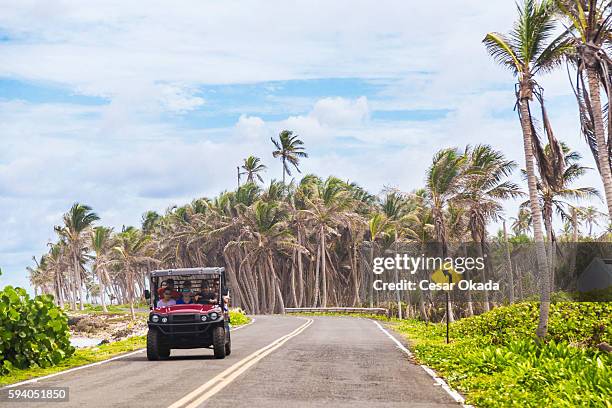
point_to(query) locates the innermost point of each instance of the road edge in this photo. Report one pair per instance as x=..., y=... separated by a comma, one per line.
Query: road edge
x=454, y=394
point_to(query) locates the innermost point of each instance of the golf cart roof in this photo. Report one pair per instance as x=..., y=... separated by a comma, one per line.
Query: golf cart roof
x=188, y=271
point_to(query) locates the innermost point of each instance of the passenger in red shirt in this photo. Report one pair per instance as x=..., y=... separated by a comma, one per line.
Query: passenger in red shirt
x=169, y=284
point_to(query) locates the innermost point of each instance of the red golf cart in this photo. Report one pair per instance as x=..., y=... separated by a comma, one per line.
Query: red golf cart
x=188, y=310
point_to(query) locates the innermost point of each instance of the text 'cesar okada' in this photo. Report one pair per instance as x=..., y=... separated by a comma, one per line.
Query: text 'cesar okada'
x=442, y=273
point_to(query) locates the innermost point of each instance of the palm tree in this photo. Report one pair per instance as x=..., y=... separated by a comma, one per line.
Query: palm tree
x=521, y=224
x=290, y=149
x=150, y=220
x=526, y=52
x=252, y=167
x=378, y=227
x=590, y=216
x=590, y=28
x=443, y=184
x=325, y=211
x=553, y=195
x=486, y=185
x=101, y=245
x=77, y=223
x=130, y=252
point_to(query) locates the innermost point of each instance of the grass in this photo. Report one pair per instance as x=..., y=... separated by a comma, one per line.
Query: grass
x=80, y=357
x=88, y=355
x=494, y=360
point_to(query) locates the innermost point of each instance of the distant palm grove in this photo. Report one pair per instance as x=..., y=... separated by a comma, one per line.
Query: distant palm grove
x=309, y=241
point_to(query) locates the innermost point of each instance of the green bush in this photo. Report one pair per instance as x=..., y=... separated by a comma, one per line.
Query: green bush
x=237, y=317
x=584, y=323
x=496, y=362
x=34, y=331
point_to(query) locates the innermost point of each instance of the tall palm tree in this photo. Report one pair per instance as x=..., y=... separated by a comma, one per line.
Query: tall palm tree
x=379, y=227
x=486, y=185
x=443, y=184
x=130, y=251
x=290, y=149
x=77, y=223
x=590, y=28
x=326, y=210
x=252, y=167
x=526, y=51
x=101, y=245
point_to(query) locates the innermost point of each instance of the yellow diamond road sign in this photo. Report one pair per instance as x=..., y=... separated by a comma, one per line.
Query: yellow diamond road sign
x=451, y=276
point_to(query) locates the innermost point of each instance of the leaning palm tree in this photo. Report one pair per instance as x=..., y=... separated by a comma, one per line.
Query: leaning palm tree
x=290, y=149
x=554, y=197
x=77, y=222
x=527, y=51
x=590, y=29
x=252, y=167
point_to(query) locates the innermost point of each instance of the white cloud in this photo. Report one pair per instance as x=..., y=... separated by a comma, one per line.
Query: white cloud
x=341, y=112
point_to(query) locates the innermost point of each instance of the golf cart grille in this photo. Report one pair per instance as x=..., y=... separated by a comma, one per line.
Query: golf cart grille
x=183, y=318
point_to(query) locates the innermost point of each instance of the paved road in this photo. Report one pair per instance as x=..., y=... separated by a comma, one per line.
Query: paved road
x=333, y=362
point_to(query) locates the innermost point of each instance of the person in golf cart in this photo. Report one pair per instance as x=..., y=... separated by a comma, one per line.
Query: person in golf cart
x=187, y=298
x=208, y=294
x=166, y=299
x=168, y=284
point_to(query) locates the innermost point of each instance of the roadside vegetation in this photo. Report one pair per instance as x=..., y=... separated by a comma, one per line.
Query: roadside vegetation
x=494, y=361
x=87, y=355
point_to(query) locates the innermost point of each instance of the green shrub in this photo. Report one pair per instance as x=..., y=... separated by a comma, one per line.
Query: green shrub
x=34, y=331
x=496, y=362
x=237, y=317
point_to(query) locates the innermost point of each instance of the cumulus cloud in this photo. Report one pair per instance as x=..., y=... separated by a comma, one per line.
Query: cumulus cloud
x=341, y=112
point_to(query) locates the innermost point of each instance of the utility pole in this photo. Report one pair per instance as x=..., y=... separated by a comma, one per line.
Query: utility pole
x=238, y=175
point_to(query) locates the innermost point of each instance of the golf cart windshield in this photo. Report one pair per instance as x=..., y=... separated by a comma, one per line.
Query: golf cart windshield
x=197, y=285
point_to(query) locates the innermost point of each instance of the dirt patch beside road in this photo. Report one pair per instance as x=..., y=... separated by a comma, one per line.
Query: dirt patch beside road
x=109, y=327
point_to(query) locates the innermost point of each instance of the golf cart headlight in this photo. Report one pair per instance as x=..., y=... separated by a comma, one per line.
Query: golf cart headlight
x=155, y=318
x=203, y=318
x=213, y=316
x=164, y=319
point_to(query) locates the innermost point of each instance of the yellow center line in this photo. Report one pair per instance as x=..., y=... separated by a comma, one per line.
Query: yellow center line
x=217, y=383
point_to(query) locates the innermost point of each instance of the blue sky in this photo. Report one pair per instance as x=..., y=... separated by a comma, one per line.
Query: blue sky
x=135, y=106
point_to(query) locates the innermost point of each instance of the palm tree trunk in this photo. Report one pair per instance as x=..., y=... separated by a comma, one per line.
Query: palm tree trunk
x=323, y=274
x=292, y=274
x=283, y=170
x=397, y=292
x=102, y=289
x=536, y=214
x=551, y=249
x=316, y=279
x=480, y=247
x=572, y=270
x=371, y=275
x=509, y=265
x=468, y=294
x=300, y=271
x=77, y=280
x=600, y=137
